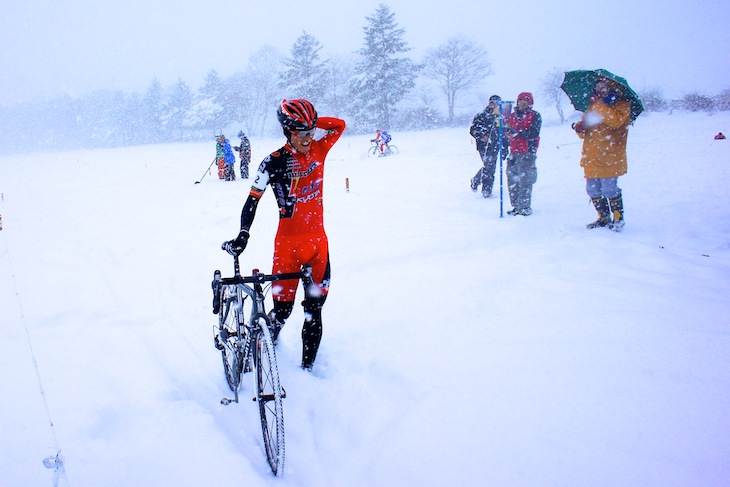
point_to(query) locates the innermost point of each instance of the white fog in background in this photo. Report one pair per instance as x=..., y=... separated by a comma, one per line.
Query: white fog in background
x=459, y=348
x=52, y=48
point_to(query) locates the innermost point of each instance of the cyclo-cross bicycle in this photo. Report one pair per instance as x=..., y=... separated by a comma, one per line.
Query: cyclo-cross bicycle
x=246, y=345
x=389, y=150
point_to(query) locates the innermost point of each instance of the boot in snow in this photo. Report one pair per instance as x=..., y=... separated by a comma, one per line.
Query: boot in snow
x=617, y=207
x=604, y=215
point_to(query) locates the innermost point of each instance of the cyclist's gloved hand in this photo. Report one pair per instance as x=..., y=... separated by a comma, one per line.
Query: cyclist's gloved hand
x=236, y=246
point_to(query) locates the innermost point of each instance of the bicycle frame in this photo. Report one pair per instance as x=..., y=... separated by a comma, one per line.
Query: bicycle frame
x=252, y=287
x=252, y=343
x=388, y=149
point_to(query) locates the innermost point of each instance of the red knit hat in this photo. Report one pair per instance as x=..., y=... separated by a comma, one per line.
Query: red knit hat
x=527, y=97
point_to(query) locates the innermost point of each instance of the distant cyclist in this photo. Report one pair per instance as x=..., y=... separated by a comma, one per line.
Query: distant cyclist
x=382, y=138
x=295, y=173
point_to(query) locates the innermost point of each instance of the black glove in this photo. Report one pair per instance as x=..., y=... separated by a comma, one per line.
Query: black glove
x=236, y=246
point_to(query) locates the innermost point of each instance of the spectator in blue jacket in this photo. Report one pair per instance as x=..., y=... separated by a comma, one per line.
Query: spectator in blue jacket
x=226, y=159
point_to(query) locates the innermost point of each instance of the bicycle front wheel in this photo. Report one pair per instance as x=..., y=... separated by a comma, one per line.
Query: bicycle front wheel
x=372, y=151
x=228, y=339
x=269, y=395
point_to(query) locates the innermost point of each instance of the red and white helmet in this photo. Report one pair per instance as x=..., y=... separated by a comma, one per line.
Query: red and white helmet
x=297, y=114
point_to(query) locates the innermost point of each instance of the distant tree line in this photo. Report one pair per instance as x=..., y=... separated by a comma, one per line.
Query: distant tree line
x=377, y=87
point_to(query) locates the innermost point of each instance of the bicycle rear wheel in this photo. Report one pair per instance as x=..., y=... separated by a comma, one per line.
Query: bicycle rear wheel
x=391, y=151
x=269, y=395
x=228, y=339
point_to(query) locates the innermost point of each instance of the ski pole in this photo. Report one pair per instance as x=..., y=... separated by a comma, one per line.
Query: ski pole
x=502, y=105
x=206, y=171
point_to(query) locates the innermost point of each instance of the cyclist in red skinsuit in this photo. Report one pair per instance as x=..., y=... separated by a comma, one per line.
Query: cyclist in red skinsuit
x=295, y=173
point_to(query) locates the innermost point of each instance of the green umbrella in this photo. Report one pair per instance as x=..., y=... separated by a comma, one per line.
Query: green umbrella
x=578, y=85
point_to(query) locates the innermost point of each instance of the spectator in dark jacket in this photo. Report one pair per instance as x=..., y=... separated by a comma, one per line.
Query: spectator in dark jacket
x=485, y=130
x=244, y=152
x=524, y=136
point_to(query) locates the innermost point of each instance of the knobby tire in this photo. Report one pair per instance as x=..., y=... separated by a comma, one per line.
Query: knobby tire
x=269, y=395
x=228, y=338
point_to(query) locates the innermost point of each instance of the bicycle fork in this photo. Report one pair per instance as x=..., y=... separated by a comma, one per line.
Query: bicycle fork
x=243, y=354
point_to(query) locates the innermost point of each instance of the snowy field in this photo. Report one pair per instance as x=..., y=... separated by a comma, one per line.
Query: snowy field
x=459, y=348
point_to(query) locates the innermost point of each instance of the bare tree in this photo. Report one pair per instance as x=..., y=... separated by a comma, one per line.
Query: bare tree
x=455, y=66
x=653, y=99
x=340, y=70
x=550, y=88
x=263, y=93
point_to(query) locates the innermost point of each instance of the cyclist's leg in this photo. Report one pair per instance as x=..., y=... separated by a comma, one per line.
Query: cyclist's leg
x=314, y=298
x=286, y=261
x=278, y=315
x=289, y=256
x=312, y=329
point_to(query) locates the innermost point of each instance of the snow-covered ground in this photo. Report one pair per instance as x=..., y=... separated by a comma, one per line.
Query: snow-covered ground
x=460, y=348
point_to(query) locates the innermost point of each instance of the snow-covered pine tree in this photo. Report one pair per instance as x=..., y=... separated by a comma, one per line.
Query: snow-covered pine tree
x=177, y=110
x=153, y=112
x=383, y=77
x=305, y=75
x=208, y=111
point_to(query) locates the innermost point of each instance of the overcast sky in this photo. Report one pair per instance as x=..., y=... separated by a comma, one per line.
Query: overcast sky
x=52, y=47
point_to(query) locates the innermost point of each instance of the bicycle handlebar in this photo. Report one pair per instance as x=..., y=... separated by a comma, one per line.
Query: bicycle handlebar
x=260, y=277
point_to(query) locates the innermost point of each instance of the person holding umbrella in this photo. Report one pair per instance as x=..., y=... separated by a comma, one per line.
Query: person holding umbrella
x=609, y=107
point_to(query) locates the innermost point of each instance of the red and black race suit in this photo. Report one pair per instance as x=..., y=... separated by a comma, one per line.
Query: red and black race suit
x=297, y=181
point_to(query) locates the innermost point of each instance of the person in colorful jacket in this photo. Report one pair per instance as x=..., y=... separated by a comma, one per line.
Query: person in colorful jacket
x=524, y=138
x=485, y=130
x=295, y=173
x=604, y=129
x=225, y=157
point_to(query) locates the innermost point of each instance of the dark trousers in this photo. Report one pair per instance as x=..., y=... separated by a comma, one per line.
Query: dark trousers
x=485, y=175
x=521, y=175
